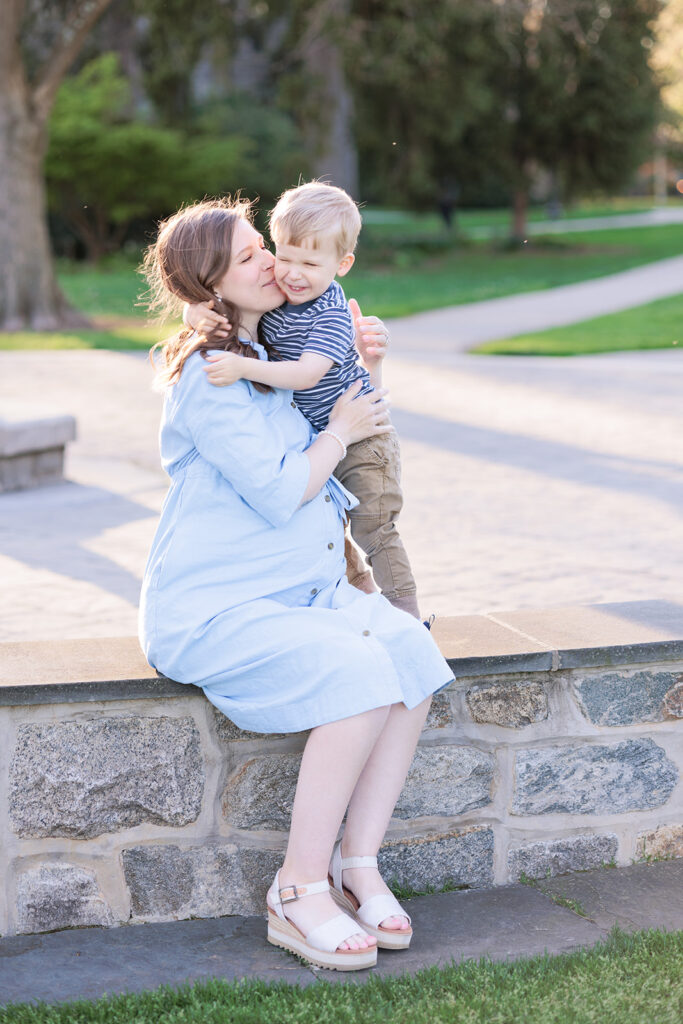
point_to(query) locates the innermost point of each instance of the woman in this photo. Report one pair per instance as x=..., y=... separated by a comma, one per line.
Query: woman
x=245, y=595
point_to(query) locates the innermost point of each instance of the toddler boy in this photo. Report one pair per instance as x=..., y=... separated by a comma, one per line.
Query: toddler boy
x=315, y=228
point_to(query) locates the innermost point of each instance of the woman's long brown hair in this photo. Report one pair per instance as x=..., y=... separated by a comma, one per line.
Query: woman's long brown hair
x=190, y=256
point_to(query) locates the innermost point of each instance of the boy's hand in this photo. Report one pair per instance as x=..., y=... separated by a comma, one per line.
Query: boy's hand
x=224, y=368
x=204, y=319
x=372, y=337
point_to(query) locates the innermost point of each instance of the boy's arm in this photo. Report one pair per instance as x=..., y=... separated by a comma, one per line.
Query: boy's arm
x=200, y=316
x=293, y=375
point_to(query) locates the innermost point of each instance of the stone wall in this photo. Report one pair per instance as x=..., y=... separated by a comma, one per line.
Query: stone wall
x=149, y=805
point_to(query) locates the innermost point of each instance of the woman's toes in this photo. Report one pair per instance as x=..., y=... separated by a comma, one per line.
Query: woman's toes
x=396, y=924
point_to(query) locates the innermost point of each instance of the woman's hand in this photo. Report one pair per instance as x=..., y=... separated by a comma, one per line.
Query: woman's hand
x=357, y=418
x=372, y=337
x=204, y=319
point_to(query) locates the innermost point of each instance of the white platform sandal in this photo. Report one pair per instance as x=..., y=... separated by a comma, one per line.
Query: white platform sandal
x=320, y=946
x=370, y=914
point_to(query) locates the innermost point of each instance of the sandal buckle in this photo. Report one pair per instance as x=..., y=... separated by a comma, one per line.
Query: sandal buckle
x=289, y=894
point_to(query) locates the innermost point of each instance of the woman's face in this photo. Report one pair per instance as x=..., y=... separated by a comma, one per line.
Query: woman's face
x=249, y=281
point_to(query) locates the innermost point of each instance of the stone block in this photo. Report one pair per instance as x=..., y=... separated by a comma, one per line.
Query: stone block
x=615, y=698
x=168, y=882
x=82, y=779
x=228, y=732
x=260, y=793
x=593, y=778
x=32, y=450
x=672, y=705
x=511, y=705
x=440, y=713
x=663, y=842
x=557, y=856
x=59, y=895
x=463, y=857
x=446, y=780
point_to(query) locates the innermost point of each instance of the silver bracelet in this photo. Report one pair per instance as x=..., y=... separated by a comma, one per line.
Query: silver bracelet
x=337, y=438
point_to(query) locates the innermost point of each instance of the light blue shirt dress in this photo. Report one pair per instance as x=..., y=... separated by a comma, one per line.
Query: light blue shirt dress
x=244, y=591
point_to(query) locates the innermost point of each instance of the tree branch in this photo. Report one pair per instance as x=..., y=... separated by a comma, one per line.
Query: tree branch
x=75, y=29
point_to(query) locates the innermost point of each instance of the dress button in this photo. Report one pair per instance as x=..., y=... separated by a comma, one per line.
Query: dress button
x=293, y=405
x=330, y=545
x=328, y=498
x=366, y=632
x=314, y=591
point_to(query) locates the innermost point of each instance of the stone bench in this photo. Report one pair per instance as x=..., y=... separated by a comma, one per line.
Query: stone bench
x=32, y=450
x=124, y=797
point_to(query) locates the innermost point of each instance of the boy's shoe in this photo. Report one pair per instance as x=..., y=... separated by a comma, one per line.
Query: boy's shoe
x=428, y=623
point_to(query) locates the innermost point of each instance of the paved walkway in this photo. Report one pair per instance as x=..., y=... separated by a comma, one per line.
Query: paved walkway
x=459, y=328
x=672, y=214
x=504, y=923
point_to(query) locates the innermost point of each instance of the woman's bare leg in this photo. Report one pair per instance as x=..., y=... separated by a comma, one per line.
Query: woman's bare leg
x=374, y=798
x=333, y=760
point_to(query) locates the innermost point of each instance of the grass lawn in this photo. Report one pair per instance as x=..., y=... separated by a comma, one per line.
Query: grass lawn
x=655, y=325
x=630, y=978
x=395, y=274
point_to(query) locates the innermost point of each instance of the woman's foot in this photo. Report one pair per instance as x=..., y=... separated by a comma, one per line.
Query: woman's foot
x=359, y=889
x=367, y=882
x=307, y=914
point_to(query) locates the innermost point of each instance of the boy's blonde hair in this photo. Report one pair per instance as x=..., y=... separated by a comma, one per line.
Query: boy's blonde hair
x=314, y=210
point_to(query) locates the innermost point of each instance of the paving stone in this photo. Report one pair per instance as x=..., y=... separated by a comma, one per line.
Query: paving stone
x=202, y=881
x=57, y=896
x=557, y=856
x=459, y=857
x=82, y=779
x=260, y=793
x=633, y=897
x=593, y=778
x=615, y=698
x=665, y=841
x=446, y=779
x=503, y=923
x=512, y=705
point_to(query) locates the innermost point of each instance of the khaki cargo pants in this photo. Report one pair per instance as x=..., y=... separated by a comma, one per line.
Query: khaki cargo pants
x=372, y=471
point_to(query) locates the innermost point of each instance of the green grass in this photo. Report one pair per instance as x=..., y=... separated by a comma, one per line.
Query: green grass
x=395, y=274
x=634, y=978
x=481, y=271
x=655, y=325
x=391, y=221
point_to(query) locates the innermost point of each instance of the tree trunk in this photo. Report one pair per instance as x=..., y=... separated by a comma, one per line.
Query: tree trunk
x=520, y=206
x=334, y=154
x=29, y=294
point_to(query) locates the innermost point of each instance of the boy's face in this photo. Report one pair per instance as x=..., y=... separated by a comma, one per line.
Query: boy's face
x=304, y=273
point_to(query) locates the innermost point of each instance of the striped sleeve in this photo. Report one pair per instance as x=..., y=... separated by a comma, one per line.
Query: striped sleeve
x=331, y=334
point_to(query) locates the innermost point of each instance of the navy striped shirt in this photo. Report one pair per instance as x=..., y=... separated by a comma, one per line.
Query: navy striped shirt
x=323, y=326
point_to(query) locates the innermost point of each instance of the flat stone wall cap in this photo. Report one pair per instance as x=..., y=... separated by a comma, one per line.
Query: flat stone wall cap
x=604, y=634
x=479, y=645
x=49, y=671
x=20, y=433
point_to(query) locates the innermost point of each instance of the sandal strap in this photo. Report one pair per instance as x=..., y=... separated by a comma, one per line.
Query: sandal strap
x=340, y=863
x=329, y=935
x=290, y=893
x=379, y=908
x=358, y=862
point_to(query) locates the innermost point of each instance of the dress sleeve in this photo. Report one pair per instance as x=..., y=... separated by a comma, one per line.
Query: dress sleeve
x=231, y=430
x=331, y=335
